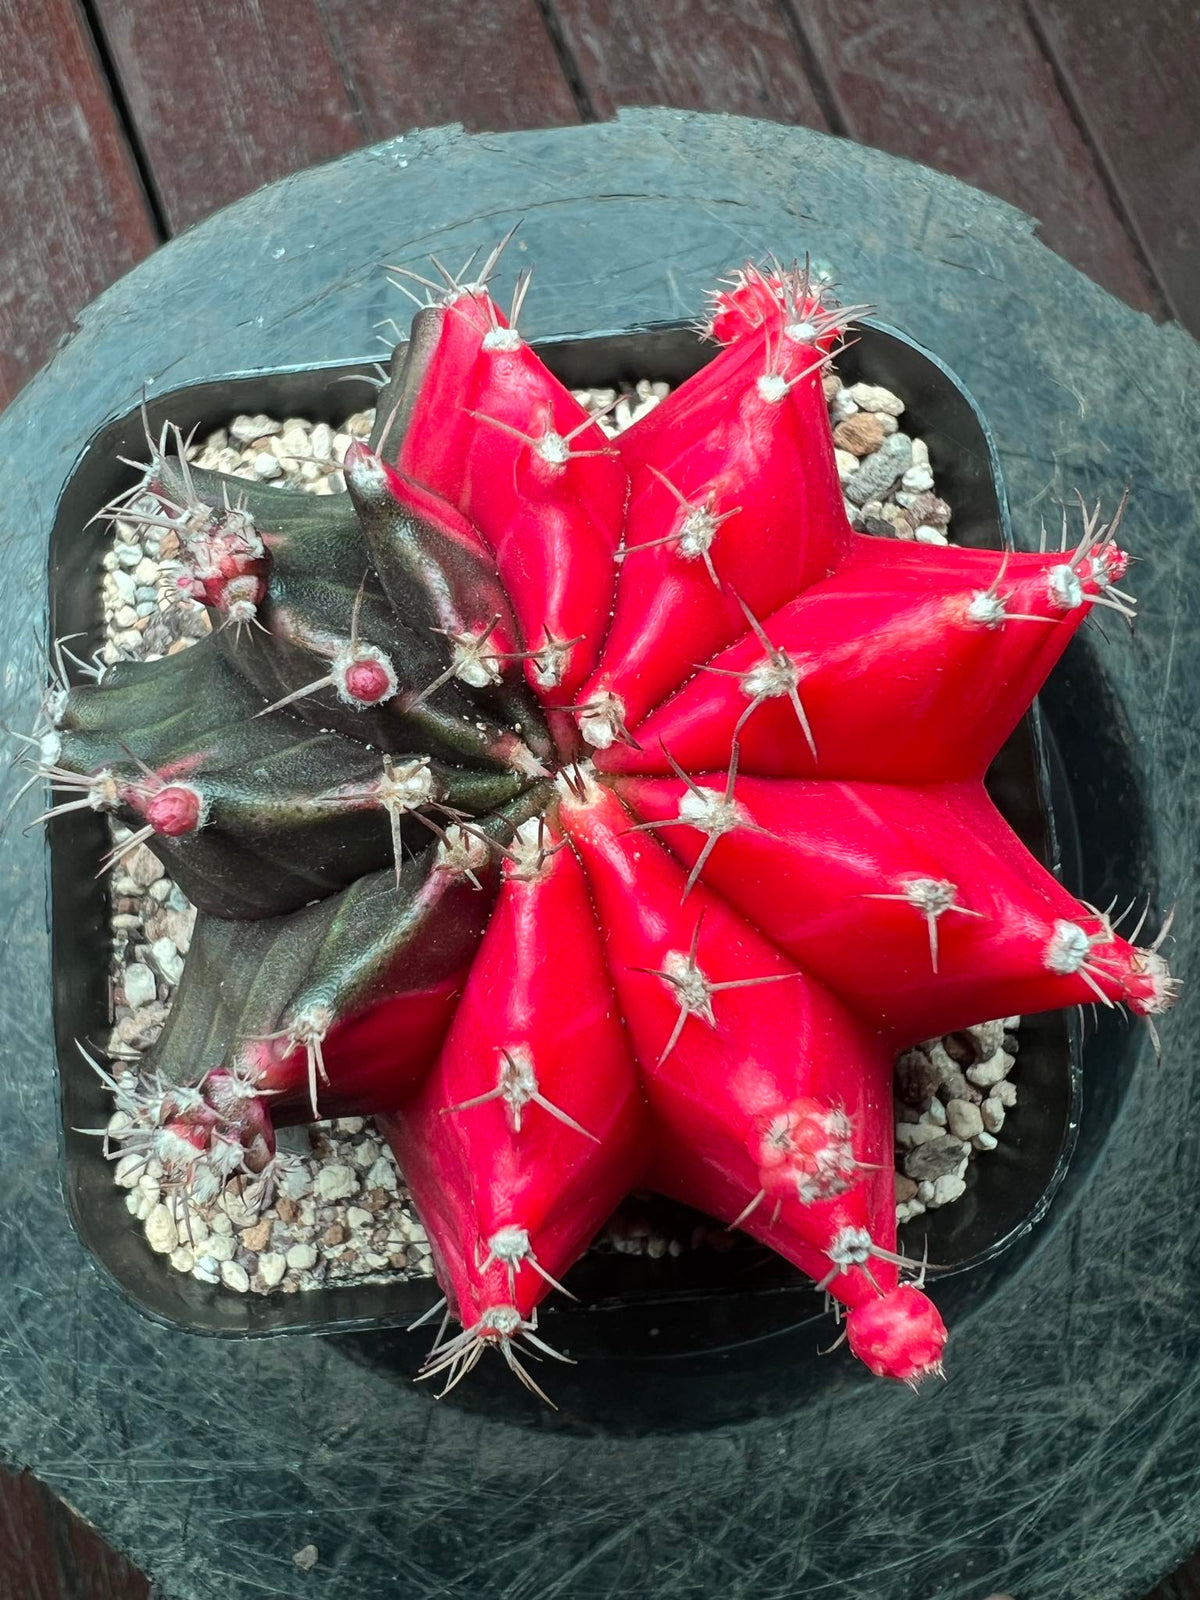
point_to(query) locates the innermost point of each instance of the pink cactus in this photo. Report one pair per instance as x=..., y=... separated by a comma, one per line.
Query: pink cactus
x=752, y=862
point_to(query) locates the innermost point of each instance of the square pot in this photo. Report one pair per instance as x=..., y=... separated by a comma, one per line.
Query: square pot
x=688, y=1304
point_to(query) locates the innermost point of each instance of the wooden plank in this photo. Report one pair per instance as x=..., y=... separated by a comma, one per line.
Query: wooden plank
x=966, y=89
x=75, y=216
x=225, y=98
x=47, y=1552
x=1183, y=1584
x=694, y=55
x=491, y=67
x=1130, y=70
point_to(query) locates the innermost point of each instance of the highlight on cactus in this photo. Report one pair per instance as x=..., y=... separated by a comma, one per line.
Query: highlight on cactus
x=602, y=813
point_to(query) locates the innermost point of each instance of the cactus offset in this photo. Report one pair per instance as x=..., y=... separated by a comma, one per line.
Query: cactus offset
x=602, y=813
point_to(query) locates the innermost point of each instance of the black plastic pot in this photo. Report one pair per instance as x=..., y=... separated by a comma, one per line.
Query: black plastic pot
x=704, y=1303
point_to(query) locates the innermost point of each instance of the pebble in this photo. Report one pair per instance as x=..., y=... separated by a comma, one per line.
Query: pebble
x=365, y=1155
x=847, y=464
x=909, y=1135
x=927, y=535
x=917, y=478
x=358, y=1218
x=860, y=435
x=141, y=986
x=986, y=1073
x=246, y=429
x=383, y=1175
x=161, y=1233
x=239, y=1205
x=991, y=1114
x=929, y=509
x=985, y=1141
x=259, y=1236
x=1005, y=1093
x=948, y=1188
x=182, y=1259
x=206, y=1269
x=335, y=1181
x=897, y=521
x=272, y=1266
x=301, y=1256
x=964, y=1120
x=221, y=1246
x=986, y=1038
x=142, y=1027
x=906, y=1188
x=128, y=1170
x=877, y=472
x=934, y=1158
x=142, y=867
x=907, y=1210
x=306, y=1557
x=917, y=1079
x=167, y=959
x=871, y=397
x=234, y=1276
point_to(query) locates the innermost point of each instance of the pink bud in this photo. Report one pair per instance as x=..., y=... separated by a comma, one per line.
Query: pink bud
x=174, y=810
x=900, y=1335
x=368, y=681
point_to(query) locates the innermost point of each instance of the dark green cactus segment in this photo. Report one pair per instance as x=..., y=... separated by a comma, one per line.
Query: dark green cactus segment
x=376, y=934
x=155, y=707
x=406, y=373
x=305, y=534
x=322, y=593
x=431, y=578
x=289, y=811
x=237, y=980
x=311, y=620
x=442, y=582
x=245, y=982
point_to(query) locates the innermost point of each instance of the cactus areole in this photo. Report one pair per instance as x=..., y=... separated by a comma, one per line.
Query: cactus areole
x=602, y=813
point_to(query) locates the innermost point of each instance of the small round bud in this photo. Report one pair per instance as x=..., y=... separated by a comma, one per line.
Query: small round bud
x=175, y=810
x=900, y=1335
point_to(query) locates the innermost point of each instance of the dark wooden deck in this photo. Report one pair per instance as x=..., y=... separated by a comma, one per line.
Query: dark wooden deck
x=123, y=121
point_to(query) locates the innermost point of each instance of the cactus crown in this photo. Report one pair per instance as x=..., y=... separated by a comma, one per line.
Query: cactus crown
x=603, y=813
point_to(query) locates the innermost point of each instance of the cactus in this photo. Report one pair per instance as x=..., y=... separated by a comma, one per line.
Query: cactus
x=601, y=813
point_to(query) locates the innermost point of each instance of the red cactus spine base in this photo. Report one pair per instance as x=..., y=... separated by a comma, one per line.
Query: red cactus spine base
x=680, y=837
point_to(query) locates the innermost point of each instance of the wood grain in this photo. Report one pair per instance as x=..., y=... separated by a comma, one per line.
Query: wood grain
x=694, y=55
x=966, y=89
x=490, y=67
x=47, y=1552
x=1130, y=70
x=226, y=98
x=72, y=212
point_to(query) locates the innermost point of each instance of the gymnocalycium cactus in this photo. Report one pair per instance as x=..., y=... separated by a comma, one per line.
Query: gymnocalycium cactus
x=602, y=813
